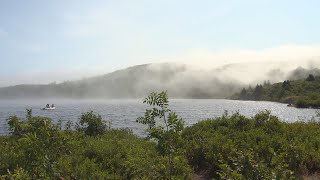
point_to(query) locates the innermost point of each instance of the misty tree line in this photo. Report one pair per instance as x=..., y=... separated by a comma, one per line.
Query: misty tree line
x=253, y=93
x=303, y=93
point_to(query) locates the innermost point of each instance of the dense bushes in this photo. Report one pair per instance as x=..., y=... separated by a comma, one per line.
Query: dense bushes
x=38, y=149
x=311, y=100
x=117, y=154
x=91, y=124
x=262, y=147
x=33, y=148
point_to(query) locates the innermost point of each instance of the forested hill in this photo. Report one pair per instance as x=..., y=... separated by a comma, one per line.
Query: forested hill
x=302, y=93
x=180, y=80
x=133, y=82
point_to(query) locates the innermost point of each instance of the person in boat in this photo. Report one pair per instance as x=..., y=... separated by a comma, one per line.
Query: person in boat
x=52, y=105
x=47, y=106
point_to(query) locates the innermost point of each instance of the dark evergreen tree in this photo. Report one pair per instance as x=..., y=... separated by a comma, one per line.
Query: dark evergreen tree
x=243, y=94
x=310, y=78
x=257, y=94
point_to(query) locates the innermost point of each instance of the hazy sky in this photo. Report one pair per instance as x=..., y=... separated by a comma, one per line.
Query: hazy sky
x=42, y=40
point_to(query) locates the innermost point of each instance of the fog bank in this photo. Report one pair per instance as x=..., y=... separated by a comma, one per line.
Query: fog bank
x=180, y=80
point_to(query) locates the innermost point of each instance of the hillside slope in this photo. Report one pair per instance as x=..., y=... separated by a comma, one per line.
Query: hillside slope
x=133, y=82
x=181, y=81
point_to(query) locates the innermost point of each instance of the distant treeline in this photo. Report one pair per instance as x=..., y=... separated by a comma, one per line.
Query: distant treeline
x=302, y=93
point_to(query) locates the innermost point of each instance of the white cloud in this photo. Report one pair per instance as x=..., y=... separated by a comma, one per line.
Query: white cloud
x=249, y=65
x=253, y=65
x=298, y=54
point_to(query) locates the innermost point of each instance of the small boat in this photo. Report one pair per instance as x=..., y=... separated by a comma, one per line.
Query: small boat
x=48, y=108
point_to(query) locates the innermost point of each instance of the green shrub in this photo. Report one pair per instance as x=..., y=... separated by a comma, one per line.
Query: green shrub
x=91, y=124
x=165, y=127
x=38, y=149
x=261, y=147
x=33, y=147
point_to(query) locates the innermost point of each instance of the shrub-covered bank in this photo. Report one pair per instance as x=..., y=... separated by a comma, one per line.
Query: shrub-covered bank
x=304, y=93
x=261, y=147
x=38, y=149
x=229, y=147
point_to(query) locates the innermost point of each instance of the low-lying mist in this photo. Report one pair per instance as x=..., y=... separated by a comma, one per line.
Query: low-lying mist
x=181, y=81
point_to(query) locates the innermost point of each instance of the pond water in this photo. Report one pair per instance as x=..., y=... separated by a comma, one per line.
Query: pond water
x=123, y=113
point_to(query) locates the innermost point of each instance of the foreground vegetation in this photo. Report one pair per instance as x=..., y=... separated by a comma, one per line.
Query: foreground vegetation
x=261, y=147
x=37, y=148
x=302, y=93
x=229, y=147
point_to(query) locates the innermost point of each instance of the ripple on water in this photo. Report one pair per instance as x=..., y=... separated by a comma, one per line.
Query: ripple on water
x=123, y=113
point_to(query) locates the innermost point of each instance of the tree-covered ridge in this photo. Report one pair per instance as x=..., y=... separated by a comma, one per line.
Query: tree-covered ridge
x=302, y=93
x=181, y=81
x=132, y=82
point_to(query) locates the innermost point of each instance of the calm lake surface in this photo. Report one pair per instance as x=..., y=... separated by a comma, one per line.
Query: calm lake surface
x=123, y=113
